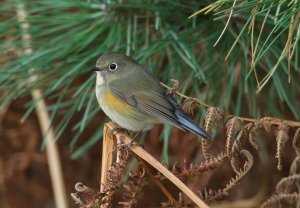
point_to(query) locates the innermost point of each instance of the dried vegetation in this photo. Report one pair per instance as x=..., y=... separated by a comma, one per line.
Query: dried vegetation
x=242, y=139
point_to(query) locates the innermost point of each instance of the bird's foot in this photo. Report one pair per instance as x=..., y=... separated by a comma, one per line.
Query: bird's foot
x=118, y=130
x=123, y=145
x=134, y=144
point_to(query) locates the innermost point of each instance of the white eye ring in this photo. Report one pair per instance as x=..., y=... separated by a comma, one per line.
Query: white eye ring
x=113, y=66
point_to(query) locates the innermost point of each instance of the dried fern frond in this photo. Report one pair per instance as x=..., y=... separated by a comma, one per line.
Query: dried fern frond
x=243, y=133
x=206, y=146
x=281, y=138
x=248, y=127
x=288, y=189
x=85, y=197
x=253, y=134
x=233, y=125
x=235, y=160
x=190, y=105
x=209, y=196
x=295, y=167
x=278, y=200
x=243, y=171
x=213, y=116
x=267, y=122
x=209, y=164
x=246, y=130
x=296, y=141
x=288, y=184
x=192, y=170
x=262, y=124
x=133, y=187
x=114, y=175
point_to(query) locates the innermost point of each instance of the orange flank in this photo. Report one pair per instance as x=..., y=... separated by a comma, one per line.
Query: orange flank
x=115, y=103
x=123, y=113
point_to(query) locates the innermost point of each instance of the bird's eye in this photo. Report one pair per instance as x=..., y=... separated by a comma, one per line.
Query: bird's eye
x=113, y=66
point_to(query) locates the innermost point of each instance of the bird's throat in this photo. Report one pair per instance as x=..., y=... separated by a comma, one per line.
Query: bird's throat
x=100, y=79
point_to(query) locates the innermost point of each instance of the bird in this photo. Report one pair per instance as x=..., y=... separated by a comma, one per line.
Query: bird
x=131, y=96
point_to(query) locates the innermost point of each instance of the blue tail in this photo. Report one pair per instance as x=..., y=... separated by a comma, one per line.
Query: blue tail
x=188, y=125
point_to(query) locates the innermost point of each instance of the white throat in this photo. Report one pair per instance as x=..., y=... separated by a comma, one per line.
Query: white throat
x=100, y=79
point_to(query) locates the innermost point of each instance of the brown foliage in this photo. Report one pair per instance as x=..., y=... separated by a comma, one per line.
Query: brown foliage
x=288, y=188
x=213, y=116
x=133, y=187
x=241, y=133
x=282, y=136
x=88, y=198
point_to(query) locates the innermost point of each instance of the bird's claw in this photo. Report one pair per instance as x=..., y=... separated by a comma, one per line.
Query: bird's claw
x=118, y=130
x=128, y=145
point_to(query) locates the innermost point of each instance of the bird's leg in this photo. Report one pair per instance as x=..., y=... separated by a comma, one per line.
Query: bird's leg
x=132, y=144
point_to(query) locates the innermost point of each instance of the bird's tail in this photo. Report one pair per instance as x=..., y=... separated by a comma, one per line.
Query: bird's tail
x=188, y=125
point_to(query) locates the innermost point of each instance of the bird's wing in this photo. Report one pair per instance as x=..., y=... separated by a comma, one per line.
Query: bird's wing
x=151, y=103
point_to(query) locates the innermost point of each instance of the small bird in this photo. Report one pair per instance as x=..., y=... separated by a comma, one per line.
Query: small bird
x=134, y=99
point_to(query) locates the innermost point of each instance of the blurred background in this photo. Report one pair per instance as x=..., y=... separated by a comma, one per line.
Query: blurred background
x=240, y=56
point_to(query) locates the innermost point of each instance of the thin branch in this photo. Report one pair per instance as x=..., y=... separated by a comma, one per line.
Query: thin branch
x=268, y=120
x=56, y=174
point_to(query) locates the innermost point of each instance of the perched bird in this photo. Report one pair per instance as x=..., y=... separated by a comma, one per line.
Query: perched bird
x=133, y=98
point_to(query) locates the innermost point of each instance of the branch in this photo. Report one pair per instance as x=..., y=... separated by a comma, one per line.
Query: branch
x=140, y=152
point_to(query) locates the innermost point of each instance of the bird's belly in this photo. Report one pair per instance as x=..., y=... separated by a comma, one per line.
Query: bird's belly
x=125, y=115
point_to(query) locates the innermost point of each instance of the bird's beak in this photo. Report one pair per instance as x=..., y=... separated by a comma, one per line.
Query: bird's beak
x=95, y=69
